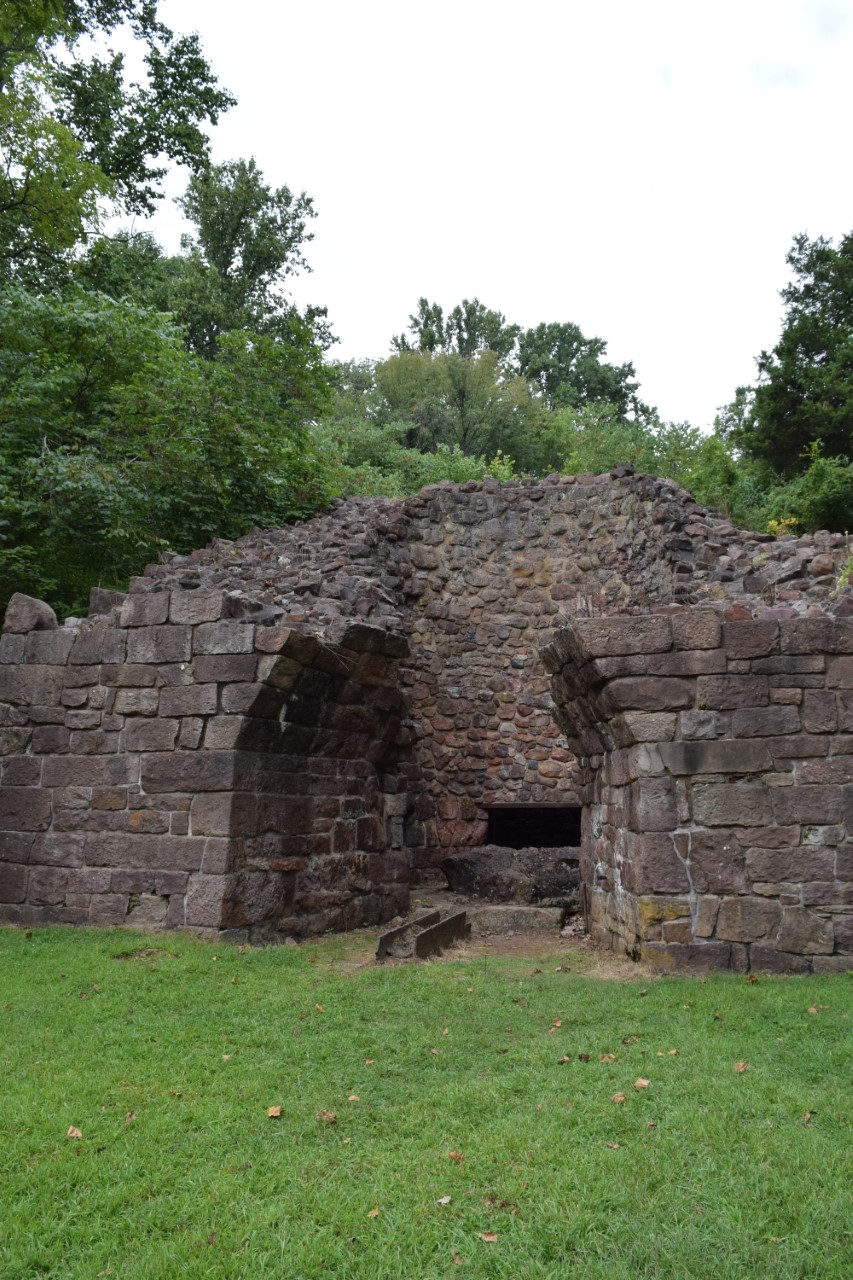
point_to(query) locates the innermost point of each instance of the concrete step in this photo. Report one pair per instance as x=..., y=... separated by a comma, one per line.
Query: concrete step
x=503, y=919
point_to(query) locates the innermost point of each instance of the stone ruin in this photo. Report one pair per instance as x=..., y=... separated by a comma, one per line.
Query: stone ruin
x=281, y=735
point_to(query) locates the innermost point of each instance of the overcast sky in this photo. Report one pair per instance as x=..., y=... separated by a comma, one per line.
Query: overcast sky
x=638, y=167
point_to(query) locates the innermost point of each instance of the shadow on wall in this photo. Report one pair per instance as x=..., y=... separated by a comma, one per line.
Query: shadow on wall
x=315, y=822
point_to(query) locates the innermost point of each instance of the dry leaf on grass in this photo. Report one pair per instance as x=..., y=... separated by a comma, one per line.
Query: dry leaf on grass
x=226, y=1057
x=752, y=980
x=446, y=1031
x=434, y=1052
x=455, y=1155
x=558, y=1022
x=561, y=1061
x=374, y=1212
x=368, y=1062
x=273, y=1112
x=457, y=1258
x=614, y=1146
x=353, y=1097
x=607, y=1057
x=130, y=1117
x=490, y=1237
x=620, y=1098
x=319, y=1008
x=673, y=1053
x=740, y=1067
x=807, y=1117
x=641, y=1083
x=73, y=1132
x=443, y=1200
x=328, y=1117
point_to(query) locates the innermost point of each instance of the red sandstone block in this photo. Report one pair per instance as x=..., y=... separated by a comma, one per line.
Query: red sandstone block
x=195, y=606
x=837, y=771
x=13, y=882
x=804, y=933
x=21, y=771
x=189, y=771
x=145, y=609
x=51, y=647
x=820, y=711
x=89, y=771
x=726, y=692
x=224, y=638
x=745, y=919
x=610, y=637
x=717, y=862
x=151, y=735
x=24, y=809
x=653, y=866
x=762, y=722
x=641, y=693
x=127, y=675
x=809, y=804
x=225, y=667
x=189, y=700
x=696, y=629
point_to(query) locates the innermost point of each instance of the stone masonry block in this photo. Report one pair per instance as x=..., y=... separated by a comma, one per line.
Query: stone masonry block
x=649, y=693
x=820, y=711
x=717, y=862
x=610, y=637
x=50, y=647
x=744, y=919
x=790, y=865
x=651, y=805
x=224, y=637
x=742, y=804
x=225, y=667
x=818, y=804
x=196, y=771
x=761, y=722
x=805, y=933
x=137, y=702
x=720, y=756
x=159, y=644
x=25, y=613
x=750, y=639
x=196, y=606
x=13, y=882
x=696, y=629
x=189, y=700
x=722, y=693
x=145, y=609
x=24, y=809
x=205, y=898
x=151, y=735
x=653, y=866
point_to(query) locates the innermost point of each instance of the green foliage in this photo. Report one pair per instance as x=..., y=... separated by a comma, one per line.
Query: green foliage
x=821, y=497
x=72, y=131
x=567, y=369
x=469, y=328
x=805, y=389
x=118, y=442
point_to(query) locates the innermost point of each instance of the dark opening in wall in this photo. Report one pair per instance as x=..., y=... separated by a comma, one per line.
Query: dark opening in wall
x=535, y=826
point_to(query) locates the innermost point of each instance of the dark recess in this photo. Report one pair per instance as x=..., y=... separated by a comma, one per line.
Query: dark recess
x=532, y=826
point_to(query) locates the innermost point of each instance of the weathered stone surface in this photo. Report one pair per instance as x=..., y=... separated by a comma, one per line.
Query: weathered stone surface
x=607, y=637
x=159, y=643
x=499, y=874
x=725, y=756
x=761, y=722
x=804, y=933
x=652, y=693
x=747, y=919
x=195, y=606
x=806, y=804
x=717, y=863
x=745, y=804
x=24, y=613
x=725, y=692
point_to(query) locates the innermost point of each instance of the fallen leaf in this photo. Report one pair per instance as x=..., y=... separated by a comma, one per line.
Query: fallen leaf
x=226, y=1057
x=653, y=1124
x=635, y=1039
x=446, y=1031
x=353, y=1098
x=176, y=1093
x=641, y=1083
x=673, y=1053
x=644, y=993
x=535, y=971
x=740, y=1067
x=468, y=989
x=660, y=1054
x=319, y=1008
x=328, y=1117
x=233, y=982
x=558, y=1022
x=489, y=1236
x=456, y=1155
x=434, y=1053
x=95, y=986
x=73, y=1132
x=560, y=1061
x=816, y=1008
x=752, y=980
x=807, y=1117
x=457, y=1258
x=607, y=1057
x=374, y=1212
x=443, y=1200
x=273, y=1112
x=614, y=1146
x=368, y=1062
x=620, y=1098
x=211, y=1239
x=130, y=1117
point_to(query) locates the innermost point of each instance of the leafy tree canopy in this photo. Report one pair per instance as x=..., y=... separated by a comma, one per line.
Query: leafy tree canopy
x=467, y=329
x=804, y=394
x=72, y=130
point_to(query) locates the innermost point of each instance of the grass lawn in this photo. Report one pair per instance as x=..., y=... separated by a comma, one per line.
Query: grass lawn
x=428, y=1126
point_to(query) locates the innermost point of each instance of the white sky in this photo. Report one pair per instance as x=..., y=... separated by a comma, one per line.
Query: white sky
x=638, y=167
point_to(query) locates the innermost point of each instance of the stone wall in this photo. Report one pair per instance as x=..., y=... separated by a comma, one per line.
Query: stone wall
x=280, y=734
x=719, y=770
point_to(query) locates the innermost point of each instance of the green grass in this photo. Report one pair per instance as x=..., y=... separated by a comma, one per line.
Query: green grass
x=707, y=1173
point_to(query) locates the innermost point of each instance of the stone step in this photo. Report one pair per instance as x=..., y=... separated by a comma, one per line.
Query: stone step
x=502, y=919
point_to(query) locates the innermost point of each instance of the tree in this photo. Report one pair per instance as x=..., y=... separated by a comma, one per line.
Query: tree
x=469, y=328
x=73, y=131
x=805, y=389
x=567, y=370
x=118, y=442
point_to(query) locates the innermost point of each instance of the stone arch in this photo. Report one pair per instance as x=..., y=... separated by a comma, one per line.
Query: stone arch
x=312, y=825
